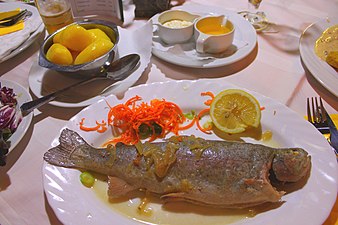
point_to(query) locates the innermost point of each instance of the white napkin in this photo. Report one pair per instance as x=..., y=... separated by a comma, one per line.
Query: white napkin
x=188, y=50
x=11, y=41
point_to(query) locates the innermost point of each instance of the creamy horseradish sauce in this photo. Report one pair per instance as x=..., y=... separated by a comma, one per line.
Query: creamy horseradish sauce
x=177, y=24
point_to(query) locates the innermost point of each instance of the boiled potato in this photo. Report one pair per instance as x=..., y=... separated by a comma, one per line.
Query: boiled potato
x=59, y=54
x=76, y=38
x=93, y=51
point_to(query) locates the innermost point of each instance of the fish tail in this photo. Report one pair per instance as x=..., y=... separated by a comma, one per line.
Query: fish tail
x=69, y=152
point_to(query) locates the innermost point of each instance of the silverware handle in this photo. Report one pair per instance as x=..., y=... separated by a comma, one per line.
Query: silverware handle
x=28, y=107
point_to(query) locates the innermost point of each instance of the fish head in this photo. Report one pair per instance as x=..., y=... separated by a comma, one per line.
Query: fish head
x=290, y=165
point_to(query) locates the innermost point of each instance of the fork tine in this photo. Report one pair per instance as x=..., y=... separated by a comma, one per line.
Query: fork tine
x=318, y=113
x=309, y=117
x=322, y=109
x=314, y=115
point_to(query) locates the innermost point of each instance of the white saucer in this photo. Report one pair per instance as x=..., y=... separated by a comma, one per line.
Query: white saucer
x=43, y=81
x=14, y=43
x=185, y=54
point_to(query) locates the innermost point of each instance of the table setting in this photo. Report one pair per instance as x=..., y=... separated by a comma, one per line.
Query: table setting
x=183, y=112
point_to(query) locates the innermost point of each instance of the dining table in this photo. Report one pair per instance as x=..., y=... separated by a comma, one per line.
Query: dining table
x=274, y=68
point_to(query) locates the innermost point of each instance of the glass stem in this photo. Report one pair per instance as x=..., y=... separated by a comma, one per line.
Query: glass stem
x=253, y=5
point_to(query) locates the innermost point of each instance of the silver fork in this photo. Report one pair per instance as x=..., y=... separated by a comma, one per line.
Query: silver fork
x=317, y=116
x=322, y=121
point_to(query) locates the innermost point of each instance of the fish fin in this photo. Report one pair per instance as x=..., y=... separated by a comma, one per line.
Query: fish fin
x=64, y=154
x=176, y=196
x=182, y=197
x=118, y=188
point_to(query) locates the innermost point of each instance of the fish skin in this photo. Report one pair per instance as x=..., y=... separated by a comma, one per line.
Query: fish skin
x=223, y=174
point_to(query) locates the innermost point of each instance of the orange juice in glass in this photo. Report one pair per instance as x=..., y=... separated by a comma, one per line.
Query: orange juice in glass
x=55, y=14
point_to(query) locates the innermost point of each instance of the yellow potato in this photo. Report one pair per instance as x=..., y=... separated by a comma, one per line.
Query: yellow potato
x=59, y=54
x=76, y=38
x=93, y=51
x=97, y=33
x=57, y=37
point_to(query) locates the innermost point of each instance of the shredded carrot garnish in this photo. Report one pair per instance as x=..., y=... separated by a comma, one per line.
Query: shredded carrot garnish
x=159, y=116
x=189, y=125
x=199, y=116
x=139, y=120
x=100, y=127
x=208, y=93
x=262, y=108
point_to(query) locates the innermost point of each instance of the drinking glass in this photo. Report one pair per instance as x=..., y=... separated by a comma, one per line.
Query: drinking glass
x=54, y=13
x=255, y=17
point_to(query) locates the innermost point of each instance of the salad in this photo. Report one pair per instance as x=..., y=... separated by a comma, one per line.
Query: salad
x=9, y=119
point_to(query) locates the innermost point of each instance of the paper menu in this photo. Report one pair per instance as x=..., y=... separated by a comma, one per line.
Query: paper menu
x=105, y=8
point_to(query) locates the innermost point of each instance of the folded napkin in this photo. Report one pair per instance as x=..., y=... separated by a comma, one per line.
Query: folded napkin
x=4, y=15
x=333, y=217
x=13, y=28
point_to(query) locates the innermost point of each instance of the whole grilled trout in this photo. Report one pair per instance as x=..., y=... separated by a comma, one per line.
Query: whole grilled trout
x=185, y=168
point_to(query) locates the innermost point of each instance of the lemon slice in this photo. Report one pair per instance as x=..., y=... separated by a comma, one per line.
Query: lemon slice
x=234, y=110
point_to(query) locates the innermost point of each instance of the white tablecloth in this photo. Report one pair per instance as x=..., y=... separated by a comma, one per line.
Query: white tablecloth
x=276, y=71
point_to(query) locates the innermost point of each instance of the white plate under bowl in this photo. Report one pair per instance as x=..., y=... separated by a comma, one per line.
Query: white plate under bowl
x=43, y=81
x=325, y=74
x=310, y=204
x=185, y=54
x=22, y=97
x=18, y=41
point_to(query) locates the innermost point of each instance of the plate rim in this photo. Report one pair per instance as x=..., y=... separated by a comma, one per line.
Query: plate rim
x=294, y=116
x=250, y=30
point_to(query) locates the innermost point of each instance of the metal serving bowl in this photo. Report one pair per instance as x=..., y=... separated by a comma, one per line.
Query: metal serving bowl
x=89, y=68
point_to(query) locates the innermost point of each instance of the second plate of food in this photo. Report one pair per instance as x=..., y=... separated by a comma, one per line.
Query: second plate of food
x=325, y=74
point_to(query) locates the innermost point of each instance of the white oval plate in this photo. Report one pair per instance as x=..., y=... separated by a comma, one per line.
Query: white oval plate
x=320, y=70
x=185, y=54
x=22, y=97
x=42, y=80
x=11, y=42
x=75, y=204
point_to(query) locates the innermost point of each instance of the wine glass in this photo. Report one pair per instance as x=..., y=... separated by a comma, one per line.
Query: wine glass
x=255, y=17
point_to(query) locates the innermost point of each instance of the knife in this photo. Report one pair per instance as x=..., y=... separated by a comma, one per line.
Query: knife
x=333, y=133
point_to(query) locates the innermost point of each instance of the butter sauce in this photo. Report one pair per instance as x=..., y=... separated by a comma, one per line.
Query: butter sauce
x=149, y=209
x=156, y=212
